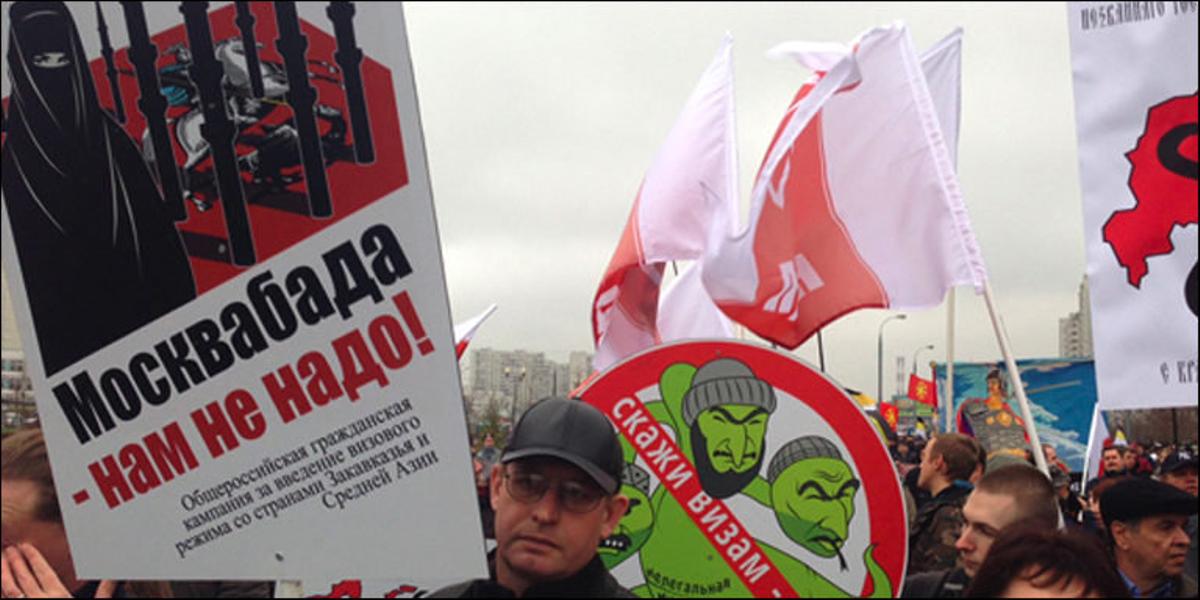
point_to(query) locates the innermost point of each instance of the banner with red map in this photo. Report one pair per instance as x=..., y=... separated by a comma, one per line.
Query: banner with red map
x=1134, y=67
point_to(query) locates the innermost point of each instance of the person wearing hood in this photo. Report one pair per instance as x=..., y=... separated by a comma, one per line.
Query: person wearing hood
x=100, y=256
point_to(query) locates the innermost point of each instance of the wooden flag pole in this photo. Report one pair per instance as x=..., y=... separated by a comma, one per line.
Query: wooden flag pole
x=1015, y=377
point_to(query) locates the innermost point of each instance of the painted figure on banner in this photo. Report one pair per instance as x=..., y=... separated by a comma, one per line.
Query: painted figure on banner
x=993, y=423
x=100, y=255
x=803, y=507
x=266, y=131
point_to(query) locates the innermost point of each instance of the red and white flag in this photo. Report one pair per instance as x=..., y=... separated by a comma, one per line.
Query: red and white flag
x=463, y=332
x=689, y=190
x=856, y=204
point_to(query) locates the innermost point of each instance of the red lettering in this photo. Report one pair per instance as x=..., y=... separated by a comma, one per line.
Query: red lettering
x=171, y=452
x=243, y=412
x=358, y=364
x=409, y=312
x=215, y=429
x=111, y=481
x=322, y=384
x=140, y=468
x=286, y=394
x=390, y=342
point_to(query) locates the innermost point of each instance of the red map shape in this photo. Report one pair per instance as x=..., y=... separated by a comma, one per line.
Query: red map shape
x=1165, y=190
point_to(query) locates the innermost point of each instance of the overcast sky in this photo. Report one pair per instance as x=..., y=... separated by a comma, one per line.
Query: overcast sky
x=541, y=119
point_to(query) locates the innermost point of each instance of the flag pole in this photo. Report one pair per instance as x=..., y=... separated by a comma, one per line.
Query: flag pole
x=1092, y=441
x=949, y=395
x=1015, y=376
x=821, y=350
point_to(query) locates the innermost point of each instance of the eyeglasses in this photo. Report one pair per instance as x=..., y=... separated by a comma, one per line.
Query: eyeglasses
x=528, y=488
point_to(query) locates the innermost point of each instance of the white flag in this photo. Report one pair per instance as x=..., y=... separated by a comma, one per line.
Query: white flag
x=690, y=186
x=857, y=202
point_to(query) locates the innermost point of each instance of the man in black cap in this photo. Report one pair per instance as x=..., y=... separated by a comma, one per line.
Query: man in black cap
x=1145, y=520
x=555, y=493
x=1179, y=469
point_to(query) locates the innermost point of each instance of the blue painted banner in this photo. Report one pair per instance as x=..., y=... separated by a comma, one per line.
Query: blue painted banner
x=1061, y=395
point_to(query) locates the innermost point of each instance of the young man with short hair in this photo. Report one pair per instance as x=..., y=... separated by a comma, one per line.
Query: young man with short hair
x=1006, y=496
x=555, y=494
x=1146, y=520
x=946, y=464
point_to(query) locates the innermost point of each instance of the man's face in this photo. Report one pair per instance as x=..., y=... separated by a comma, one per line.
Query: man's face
x=733, y=435
x=1156, y=546
x=19, y=524
x=814, y=503
x=993, y=385
x=1130, y=460
x=930, y=466
x=1112, y=460
x=489, y=441
x=1184, y=479
x=984, y=516
x=1051, y=453
x=542, y=540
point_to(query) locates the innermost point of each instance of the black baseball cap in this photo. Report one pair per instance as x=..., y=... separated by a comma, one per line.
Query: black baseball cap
x=570, y=430
x=1178, y=460
x=1139, y=497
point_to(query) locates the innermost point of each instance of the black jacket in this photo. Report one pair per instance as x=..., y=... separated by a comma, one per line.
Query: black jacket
x=934, y=531
x=936, y=584
x=593, y=581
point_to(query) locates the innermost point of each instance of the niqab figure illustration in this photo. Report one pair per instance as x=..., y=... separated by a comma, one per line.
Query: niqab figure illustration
x=99, y=255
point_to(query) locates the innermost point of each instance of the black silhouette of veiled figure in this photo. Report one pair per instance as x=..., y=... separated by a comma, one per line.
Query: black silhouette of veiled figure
x=99, y=254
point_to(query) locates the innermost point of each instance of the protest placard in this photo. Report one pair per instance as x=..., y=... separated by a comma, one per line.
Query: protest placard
x=219, y=233
x=750, y=474
x=1135, y=82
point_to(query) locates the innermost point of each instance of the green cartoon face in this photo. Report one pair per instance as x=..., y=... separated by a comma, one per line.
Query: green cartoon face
x=631, y=532
x=814, y=502
x=733, y=436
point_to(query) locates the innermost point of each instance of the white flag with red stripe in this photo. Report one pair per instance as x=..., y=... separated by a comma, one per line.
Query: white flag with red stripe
x=463, y=332
x=856, y=204
x=690, y=186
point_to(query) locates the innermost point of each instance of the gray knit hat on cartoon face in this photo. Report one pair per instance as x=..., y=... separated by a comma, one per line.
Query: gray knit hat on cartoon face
x=725, y=381
x=809, y=446
x=636, y=477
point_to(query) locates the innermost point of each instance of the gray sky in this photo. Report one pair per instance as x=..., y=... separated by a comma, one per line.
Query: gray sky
x=540, y=121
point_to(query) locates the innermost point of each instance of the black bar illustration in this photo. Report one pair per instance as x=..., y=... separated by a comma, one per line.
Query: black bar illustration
x=153, y=105
x=245, y=23
x=293, y=46
x=110, y=66
x=218, y=130
x=349, y=58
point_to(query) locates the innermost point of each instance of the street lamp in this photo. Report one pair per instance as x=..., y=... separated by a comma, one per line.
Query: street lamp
x=879, y=380
x=917, y=352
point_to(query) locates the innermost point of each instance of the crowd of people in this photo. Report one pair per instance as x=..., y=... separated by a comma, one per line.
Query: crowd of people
x=552, y=495
x=1006, y=530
